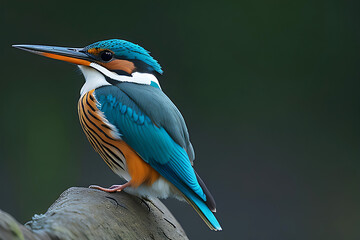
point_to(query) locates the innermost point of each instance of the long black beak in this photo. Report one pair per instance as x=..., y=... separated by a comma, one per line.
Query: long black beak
x=72, y=55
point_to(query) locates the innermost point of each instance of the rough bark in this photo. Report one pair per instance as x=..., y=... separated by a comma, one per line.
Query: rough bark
x=82, y=213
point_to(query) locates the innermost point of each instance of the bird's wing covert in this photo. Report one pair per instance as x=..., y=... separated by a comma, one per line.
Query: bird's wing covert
x=150, y=123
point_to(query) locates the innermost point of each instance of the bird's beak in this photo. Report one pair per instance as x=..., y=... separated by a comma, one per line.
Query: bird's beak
x=72, y=55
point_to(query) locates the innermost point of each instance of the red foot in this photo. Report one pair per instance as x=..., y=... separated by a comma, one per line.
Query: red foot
x=113, y=188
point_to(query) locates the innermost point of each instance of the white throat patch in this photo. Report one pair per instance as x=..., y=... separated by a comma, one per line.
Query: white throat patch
x=94, y=77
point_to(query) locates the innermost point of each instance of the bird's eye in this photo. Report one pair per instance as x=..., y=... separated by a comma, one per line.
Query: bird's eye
x=106, y=55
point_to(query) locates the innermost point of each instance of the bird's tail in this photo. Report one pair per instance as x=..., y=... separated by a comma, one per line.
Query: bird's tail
x=203, y=210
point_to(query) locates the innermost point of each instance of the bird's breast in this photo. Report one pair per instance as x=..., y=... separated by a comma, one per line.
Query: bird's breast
x=105, y=139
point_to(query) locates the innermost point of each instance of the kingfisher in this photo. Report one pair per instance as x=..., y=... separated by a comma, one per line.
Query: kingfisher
x=133, y=125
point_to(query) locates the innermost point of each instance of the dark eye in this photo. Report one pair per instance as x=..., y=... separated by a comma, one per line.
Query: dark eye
x=106, y=55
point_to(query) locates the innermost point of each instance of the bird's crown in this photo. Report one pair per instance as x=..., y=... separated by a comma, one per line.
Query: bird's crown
x=122, y=49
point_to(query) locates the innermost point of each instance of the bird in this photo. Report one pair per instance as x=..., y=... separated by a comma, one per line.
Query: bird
x=133, y=125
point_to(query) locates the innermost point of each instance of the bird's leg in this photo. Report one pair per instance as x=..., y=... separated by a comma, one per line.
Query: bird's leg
x=113, y=188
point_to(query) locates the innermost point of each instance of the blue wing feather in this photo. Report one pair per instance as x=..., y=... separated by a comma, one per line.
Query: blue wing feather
x=162, y=111
x=150, y=140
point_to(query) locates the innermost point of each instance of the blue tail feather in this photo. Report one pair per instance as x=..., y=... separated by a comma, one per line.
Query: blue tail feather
x=192, y=198
x=203, y=210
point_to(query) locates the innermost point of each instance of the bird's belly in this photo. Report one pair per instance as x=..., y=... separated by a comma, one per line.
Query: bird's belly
x=161, y=188
x=117, y=154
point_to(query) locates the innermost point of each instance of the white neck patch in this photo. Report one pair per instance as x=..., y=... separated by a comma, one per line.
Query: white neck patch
x=94, y=77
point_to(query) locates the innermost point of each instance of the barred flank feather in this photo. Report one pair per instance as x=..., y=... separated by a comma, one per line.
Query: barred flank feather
x=99, y=134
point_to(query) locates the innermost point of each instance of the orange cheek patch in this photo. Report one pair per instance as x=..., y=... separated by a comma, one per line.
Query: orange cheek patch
x=118, y=64
x=67, y=59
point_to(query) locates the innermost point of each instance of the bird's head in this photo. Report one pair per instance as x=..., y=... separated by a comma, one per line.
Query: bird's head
x=117, y=60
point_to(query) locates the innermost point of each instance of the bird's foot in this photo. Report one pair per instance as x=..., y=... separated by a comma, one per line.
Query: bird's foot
x=113, y=188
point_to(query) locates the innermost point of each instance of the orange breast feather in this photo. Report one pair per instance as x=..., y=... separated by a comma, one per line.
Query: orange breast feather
x=112, y=150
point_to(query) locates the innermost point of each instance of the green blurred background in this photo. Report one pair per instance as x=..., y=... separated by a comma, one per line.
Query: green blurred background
x=269, y=89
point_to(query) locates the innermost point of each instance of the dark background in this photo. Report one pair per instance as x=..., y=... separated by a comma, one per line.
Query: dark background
x=269, y=89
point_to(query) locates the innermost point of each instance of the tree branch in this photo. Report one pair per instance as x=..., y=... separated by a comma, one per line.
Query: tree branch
x=82, y=213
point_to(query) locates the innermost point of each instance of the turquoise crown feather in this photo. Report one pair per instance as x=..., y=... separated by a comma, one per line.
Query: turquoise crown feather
x=128, y=50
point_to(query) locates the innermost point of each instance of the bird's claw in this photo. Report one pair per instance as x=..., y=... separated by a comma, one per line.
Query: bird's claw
x=113, y=188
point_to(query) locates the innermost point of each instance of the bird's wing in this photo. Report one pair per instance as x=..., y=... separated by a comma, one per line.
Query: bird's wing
x=162, y=111
x=149, y=122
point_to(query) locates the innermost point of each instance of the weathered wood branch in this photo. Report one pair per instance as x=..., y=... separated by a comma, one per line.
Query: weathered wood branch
x=82, y=213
